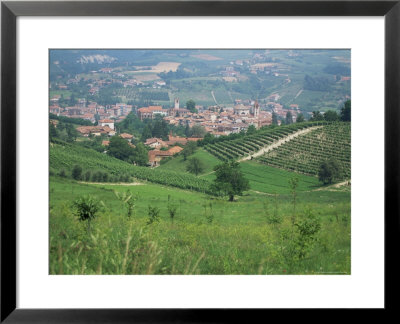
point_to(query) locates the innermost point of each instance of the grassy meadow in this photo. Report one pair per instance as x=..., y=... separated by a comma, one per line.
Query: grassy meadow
x=207, y=235
x=165, y=220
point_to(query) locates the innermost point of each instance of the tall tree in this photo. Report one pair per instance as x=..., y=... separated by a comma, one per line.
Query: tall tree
x=316, y=116
x=147, y=132
x=191, y=105
x=77, y=172
x=251, y=130
x=160, y=129
x=197, y=131
x=331, y=115
x=208, y=139
x=187, y=130
x=300, y=118
x=274, y=119
x=329, y=171
x=345, y=112
x=72, y=100
x=289, y=118
x=72, y=133
x=195, y=165
x=52, y=131
x=140, y=156
x=189, y=149
x=120, y=149
x=229, y=180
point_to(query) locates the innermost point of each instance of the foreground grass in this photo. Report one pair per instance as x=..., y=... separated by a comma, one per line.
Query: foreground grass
x=272, y=180
x=207, y=236
x=261, y=177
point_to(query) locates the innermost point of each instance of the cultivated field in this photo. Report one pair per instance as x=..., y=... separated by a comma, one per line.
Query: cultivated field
x=206, y=57
x=159, y=67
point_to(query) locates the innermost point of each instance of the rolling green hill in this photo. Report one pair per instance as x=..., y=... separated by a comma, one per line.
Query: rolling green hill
x=179, y=165
x=262, y=178
x=64, y=156
x=271, y=180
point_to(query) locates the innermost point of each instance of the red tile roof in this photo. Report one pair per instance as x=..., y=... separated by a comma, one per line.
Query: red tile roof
x=126, y=136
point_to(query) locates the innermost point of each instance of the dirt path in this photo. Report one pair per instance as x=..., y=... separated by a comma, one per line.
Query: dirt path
x=336, y=185
x=262, y=193
x=114, y=184
x=212, y=93
x=202, y=175
x=270, y=147
x=298, y=93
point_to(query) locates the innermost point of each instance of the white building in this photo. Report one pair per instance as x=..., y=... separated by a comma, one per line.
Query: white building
x=107, y=122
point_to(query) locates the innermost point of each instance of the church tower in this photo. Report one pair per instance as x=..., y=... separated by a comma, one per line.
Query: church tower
x=256, y=111
x=176, y=103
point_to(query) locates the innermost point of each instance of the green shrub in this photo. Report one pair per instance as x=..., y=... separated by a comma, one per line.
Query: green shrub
x=76, y=172
x=154, y=215
x=86, y=208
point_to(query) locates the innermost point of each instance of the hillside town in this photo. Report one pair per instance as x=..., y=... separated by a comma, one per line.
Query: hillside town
x=218, y=121
x=222, y=97
x=215, y=119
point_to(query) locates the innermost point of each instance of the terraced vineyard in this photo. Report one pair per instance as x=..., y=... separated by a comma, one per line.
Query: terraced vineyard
x=306, y=153
x=248, y=145
x=65, y=156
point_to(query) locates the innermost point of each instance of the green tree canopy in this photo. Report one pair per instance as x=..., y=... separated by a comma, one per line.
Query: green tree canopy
x=77, y=172
x=289, y=118
x=140, y=156
x=300, y=118
x=189, y=149
x=229, y=180
x=316, y=116
x=329, y=171
x=251, y=130
x=191, y=105
x=160, y=128
x=345, y=112
x=146, y=133
x=208, y=139
x=331, y=115
x=120, y=149
x=53, y=133
x=195, y=165
x=274, y=119
x=197, y=131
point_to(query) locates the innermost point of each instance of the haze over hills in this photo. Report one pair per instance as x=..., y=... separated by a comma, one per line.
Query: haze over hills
x=311, y=79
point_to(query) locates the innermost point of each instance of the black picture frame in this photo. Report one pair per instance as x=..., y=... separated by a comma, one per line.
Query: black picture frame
x=10, y=10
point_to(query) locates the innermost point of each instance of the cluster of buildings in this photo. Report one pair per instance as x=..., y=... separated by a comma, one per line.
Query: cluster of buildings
x=164, y=149
x=151, y=111
x=155, y=156
x=90, y=111
x=104, y=127
x=215, y=120
x=222, y=120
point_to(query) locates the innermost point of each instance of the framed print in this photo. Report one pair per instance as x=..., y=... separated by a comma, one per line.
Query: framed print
x=179, y=160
